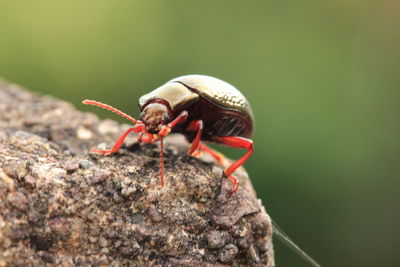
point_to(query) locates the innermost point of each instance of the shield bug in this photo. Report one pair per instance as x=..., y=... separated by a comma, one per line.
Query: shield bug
x=203, y=108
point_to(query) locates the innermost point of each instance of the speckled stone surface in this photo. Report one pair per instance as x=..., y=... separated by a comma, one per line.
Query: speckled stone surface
x=60, y=205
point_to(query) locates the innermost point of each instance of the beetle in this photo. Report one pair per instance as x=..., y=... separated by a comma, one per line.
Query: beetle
x=203, y=108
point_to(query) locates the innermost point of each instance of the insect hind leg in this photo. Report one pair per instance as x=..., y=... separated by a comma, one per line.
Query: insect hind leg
x=236, y=142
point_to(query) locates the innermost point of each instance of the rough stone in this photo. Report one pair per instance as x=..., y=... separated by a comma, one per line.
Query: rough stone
x=228, y=253
x=63, y=206
x=71, y=166
x=18, y=200
x=85, y=164
x=217, y=239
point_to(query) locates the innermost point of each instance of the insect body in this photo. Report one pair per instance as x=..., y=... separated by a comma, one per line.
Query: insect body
x=203, y=108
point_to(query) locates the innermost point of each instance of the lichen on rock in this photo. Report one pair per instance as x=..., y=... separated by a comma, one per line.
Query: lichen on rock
x=61, y=205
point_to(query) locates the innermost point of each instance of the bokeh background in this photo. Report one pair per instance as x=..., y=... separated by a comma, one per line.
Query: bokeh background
x=322, y=77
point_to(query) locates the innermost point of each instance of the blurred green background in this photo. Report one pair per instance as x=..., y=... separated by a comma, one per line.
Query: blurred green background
x=322, y=77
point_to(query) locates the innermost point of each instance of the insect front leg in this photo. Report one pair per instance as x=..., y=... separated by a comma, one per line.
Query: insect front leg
x=137, y=128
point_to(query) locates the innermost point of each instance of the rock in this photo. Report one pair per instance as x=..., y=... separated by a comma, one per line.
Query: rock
x=63, y=206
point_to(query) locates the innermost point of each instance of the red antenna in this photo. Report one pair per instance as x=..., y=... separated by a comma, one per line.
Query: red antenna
x=110, y=108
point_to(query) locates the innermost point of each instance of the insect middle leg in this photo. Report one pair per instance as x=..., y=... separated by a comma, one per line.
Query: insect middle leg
x=195, y=126
x=218, y=157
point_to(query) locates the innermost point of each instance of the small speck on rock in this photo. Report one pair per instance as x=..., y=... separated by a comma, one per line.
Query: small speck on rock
x=126, y=251
x=103, y=242
x=128, y=191
x=85, y=164
x=154, y=214
x=261, y=224
x=228, y=253
x=98, y=176
x=60, y=226
x=71, y=166
x=252, y=254
x=217, y=172
x=46, y=256
x=30, y=181
x=84, y=133
x=18, y=200
x=217, y=239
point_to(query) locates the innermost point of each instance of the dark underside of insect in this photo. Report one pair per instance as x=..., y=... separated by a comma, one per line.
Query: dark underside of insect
x=202, y=108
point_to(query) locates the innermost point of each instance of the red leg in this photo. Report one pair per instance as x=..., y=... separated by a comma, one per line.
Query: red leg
x=195, y=126
x=178, y=120
x=137, y=128
x=237, y=142
x=166, y=129
x=219, y=157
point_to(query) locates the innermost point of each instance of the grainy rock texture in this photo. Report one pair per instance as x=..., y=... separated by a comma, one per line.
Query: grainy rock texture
x=60, y=205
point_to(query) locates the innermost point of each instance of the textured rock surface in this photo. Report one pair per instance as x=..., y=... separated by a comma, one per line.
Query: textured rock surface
x=60, y=205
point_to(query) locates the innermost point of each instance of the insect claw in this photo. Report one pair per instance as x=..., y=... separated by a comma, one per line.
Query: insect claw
x=232, y=191
x=235, y=187
x=196, y=153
